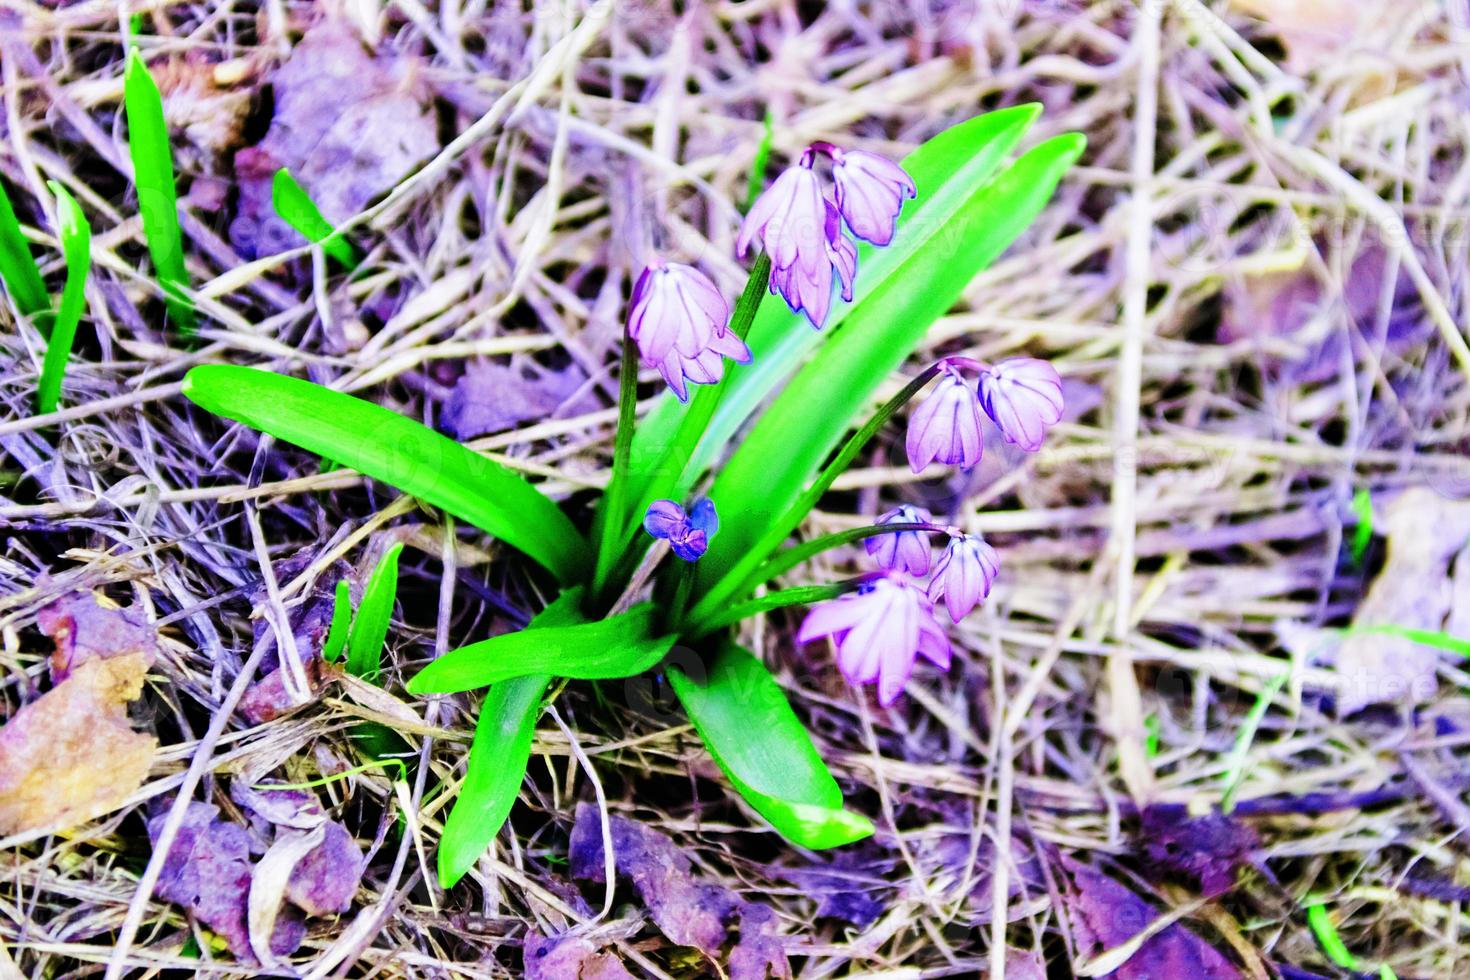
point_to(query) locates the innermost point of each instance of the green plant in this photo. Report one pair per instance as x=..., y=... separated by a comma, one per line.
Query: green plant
x=76, y=247
x=969, y=207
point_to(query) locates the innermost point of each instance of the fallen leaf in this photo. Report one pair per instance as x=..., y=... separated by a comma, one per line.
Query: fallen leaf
x=269, y=698
x=326, y=876
x=492, y=397
x=1025, y=964
x=568, y=957
x=689, y=912
x=348, y=124
x=1210, y=850
x=1105, y=915
x=84, y=627
x=1426, y=532
x=72, y=754
x=1315, y=29
x=209, y=871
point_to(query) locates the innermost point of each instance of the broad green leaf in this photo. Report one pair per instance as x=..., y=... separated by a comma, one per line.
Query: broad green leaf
x=336, y=640
x=76, y=246
x=153, y=175
x=370, y=625
x=399, y=451
x=620, y=646
x=748, y=726
x=298, y=210
x=787, y=446
x=670, y=456
x=18, y=267
x=498, y=756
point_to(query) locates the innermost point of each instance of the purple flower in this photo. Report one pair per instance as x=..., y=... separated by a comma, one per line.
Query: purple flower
x=704, y=368
x=964, y=574
x=790, y=220
x=946, y=425
x=688, y=534
x=1022, y=396
x=903, y=551
x=841, y=252
x=879, y=632
x=811, y=289
x=675, y=307
x=870, y=193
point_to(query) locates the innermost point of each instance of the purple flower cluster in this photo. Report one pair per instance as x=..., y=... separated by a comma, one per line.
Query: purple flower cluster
x=1022, y=396
x=680, y=323
x=883, y=628
x=688, y=534
x=801, y=228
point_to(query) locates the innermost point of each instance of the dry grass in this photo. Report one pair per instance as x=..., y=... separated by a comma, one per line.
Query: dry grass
x=1151, y=552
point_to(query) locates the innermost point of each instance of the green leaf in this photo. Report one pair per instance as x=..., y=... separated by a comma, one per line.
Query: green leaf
x=370, y=626
x=746, y=723
x=153, y=175
x=399, y=451
x=1363, y=532
x=620, y=646
x=76, y=246
x=946, y=170
x=787, y=446
x=498, y=756
x=298, y=210
x=336, y=640
x=18, y=267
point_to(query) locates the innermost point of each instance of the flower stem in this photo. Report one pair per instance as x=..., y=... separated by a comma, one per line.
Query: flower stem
x=784, y=561
x=733, y=582
x=800, y=596
x=613, y=533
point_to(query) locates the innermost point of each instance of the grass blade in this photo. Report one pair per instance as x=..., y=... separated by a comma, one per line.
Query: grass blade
x=620, y=646
x=18, y=267
x=399, y=451
x=748, y=726
x=498, y=757
x=788, y=445
x=153, y=175
x=76, y=246
x=298, y=210
x=370, y=626
x=336, y=640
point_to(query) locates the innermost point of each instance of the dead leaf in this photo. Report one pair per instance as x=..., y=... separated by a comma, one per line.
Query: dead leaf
x=324, y=878
x=86, y=626
x=688, y=911
x=1209, y=850
x=208, y=871
x=348, y=124
x=1426, y=532
x=493, y=397
x=268, y=698
x=568, y=957
x=72, y=754
x=1105, y=915
x=1315, y=29
x=1025, y=965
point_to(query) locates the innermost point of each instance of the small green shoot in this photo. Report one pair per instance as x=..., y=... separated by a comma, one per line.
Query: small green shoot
x=153, y=175
x=336, y=640
x=76, y=246
x=1321, y=924
x=1363, y=532
x=298, y=210
x=1235, y=767
x=1438, y=639
x=370, y=625
x=1152, y=731
x=18, y=267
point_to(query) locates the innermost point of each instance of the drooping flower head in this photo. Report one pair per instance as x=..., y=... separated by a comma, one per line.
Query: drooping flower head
x=810, y=290
x=706, y=367
x=675, y=307
x=790, y=220
x=1023, y=397
x=902, y=551
x=689, y=533
x=964, y=574
x=879, y=632
x=870, y=193
x=946, y=425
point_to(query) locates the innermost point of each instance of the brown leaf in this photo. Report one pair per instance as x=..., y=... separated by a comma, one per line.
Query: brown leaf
x=1105, y=915
x=688, y=911
x=1209, y=849
x=72, y=754
x=348, y=124
x=1426, y=533
x=84, y=628
x=568, y=957
x=493, y=397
